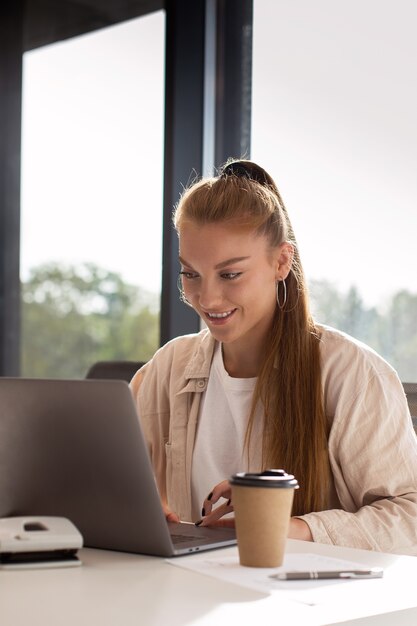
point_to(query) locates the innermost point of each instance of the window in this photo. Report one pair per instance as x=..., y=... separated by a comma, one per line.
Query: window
x=92, y=172
x=334, y=121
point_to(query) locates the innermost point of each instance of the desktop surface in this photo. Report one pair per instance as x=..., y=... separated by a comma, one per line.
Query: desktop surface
x=113, y=588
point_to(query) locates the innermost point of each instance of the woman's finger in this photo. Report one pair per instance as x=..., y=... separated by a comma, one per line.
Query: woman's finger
x=227, y=522
x=169, y=515
x=221, y=490
x=212, y=518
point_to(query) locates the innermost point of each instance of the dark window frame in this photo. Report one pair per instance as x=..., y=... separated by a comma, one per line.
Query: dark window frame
x=207, y=120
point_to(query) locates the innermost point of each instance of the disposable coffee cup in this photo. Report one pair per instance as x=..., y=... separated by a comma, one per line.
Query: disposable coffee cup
x=262, y=504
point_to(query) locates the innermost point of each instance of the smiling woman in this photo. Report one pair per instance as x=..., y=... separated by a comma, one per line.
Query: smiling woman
x=265, y=385
x=236, y=297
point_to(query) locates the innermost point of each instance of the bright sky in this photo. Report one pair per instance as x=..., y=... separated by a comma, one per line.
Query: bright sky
x=334, y=122
x=92, y=151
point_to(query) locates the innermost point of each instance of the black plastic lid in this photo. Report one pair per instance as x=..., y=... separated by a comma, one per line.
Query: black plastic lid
x=274, y=478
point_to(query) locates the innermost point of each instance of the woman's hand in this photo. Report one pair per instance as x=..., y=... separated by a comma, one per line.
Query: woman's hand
x=212, y=517
x=169, y=515
x=298, y=528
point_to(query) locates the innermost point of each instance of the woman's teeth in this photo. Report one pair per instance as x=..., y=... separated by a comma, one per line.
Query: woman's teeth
x=219, y=315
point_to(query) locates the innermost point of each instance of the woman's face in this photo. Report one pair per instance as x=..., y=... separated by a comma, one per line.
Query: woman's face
x=228, y=276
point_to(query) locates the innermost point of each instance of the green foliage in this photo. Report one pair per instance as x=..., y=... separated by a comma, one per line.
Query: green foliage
x=73, y=317
x=393, y=334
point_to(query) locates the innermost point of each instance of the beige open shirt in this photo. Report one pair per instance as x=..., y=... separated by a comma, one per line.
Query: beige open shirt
x=372, y=444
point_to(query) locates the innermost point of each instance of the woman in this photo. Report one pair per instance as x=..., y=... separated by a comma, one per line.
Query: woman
x=266, y=386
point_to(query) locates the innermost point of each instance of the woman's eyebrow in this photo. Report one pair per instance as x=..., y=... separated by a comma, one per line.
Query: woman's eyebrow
x=219, y=266
x=183, y=262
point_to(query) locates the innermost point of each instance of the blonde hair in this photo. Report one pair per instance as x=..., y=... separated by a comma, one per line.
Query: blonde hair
x=289, y=382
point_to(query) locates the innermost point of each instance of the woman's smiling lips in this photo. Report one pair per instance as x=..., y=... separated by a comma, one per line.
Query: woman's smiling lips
x=219, y=318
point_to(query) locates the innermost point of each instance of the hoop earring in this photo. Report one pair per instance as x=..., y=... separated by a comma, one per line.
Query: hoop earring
x=284, y=301
x=181, y=290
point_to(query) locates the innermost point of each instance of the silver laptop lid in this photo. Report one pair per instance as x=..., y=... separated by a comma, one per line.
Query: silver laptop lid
x=74, y=448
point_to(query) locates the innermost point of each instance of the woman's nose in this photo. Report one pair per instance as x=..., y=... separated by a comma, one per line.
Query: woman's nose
x=210, y=295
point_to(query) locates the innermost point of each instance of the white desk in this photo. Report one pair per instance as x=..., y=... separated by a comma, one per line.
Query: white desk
x=117, y=589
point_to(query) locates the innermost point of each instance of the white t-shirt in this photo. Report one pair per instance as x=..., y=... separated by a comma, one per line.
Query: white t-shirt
x=219, y=449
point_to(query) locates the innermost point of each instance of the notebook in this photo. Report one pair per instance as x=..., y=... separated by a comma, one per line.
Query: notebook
x=75, y=448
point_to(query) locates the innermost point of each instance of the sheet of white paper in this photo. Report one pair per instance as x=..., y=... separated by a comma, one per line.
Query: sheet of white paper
x=228, y=568
x=330, y=600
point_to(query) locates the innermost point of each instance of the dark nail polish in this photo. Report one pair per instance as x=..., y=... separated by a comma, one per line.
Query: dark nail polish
x=203, y=512
x=210, y=495
x=198, y=523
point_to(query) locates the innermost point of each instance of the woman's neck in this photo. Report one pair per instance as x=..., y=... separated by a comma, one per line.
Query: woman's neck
x=241, y=362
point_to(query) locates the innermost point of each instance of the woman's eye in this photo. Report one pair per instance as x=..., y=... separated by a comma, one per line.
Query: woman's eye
x=231, y=275
x=188, y=275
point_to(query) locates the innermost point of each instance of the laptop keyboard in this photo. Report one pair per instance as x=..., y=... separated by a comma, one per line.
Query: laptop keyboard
x=183, y=538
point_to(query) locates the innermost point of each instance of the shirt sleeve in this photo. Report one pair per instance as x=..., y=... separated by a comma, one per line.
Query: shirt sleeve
x=373, y=458
x=154, y=419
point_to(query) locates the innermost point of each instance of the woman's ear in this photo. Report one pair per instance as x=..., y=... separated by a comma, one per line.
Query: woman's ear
x=284, y=258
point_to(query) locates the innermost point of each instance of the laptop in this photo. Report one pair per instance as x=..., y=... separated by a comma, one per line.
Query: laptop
x=75, y=449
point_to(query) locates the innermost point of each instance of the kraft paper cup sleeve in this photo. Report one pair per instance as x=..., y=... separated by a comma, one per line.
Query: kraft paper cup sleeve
x=262, y=505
